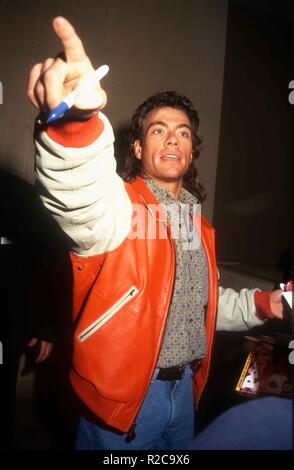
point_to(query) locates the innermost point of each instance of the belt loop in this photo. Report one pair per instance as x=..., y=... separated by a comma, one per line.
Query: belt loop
x=155, y=374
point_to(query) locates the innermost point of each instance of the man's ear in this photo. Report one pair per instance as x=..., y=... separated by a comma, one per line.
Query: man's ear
x=138, y=149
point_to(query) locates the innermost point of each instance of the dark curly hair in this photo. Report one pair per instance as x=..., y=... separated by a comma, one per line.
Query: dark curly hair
x=132, y=166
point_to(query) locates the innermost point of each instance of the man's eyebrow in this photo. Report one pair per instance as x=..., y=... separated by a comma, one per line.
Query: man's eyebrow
x=162, y=123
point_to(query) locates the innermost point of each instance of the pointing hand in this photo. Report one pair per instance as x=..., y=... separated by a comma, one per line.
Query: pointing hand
x=49, y=82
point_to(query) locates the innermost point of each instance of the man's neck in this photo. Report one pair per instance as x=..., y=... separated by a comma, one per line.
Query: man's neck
x=174, y=187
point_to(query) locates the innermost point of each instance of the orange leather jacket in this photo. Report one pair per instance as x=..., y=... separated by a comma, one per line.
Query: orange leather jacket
x=121, y=302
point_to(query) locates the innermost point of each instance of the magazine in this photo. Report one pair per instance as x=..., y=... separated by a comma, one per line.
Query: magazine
x=267, y=369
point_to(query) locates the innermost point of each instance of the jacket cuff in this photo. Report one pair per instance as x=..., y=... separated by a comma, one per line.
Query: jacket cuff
x=262, y=305
x=76, y=134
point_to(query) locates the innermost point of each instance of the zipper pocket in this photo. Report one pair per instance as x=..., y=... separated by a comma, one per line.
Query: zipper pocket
x=87, y=332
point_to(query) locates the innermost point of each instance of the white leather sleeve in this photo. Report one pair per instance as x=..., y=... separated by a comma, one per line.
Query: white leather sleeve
x=236, y=310
x=83, y=192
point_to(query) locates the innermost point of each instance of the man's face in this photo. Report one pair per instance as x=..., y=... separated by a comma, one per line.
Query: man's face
x=166, y=147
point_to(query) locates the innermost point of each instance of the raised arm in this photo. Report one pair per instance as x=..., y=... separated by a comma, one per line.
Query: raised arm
x=75, y=164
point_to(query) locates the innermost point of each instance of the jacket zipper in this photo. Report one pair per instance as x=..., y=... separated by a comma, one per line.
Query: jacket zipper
x=131, y=434
x=93, y=327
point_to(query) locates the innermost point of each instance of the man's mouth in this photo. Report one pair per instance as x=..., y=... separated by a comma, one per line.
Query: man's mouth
x=170, y=156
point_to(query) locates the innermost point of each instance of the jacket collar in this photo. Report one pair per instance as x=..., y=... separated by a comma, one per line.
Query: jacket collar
x=141, y=187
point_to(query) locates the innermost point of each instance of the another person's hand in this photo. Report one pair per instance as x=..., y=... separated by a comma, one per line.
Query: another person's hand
x=49, y=82
x=276, y=303
x=45, y=349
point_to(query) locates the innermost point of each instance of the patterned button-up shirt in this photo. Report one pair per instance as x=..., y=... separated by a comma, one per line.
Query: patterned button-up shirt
x=184, y=337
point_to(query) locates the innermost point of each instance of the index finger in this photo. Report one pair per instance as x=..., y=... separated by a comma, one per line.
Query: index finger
x=73, y=47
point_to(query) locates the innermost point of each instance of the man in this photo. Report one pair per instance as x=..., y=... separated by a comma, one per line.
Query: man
x=145, y=281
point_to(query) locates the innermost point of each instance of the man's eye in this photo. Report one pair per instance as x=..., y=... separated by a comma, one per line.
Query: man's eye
x=185, y=134
x=157, y=131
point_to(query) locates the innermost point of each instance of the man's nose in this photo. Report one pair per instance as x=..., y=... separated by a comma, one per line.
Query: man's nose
x=171, y=139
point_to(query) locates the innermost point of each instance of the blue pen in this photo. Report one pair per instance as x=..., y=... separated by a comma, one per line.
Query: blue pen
x=68, y=101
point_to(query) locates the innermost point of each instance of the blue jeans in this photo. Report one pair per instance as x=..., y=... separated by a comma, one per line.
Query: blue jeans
x=165, y=421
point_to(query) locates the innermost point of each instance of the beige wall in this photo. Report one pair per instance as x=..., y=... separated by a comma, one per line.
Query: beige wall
x=149, y=46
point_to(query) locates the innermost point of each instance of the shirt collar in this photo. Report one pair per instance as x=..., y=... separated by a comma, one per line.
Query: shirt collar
x=165, y=196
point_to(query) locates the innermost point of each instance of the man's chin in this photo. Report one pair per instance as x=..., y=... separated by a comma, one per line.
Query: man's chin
x=172, y=177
